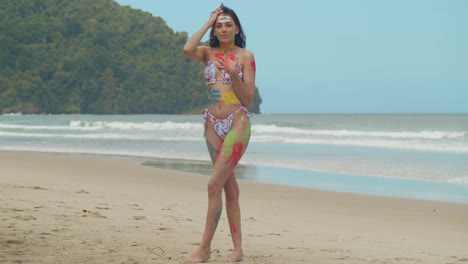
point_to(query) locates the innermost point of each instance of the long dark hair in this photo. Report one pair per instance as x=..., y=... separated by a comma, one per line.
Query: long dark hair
x=239, y=39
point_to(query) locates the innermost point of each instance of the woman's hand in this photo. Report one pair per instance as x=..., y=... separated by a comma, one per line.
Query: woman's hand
x=226, y=62
x=214, y=15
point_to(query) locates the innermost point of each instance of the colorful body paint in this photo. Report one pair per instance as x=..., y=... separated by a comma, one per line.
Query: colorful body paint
x=229, y=141
x=199, y=53
x=230, y=98
x=233, y=229
x=238, y=218
x=213, y=96
x=229, y=23
x=212, y=151
x=218, y=216
x=236, y=223
x=232, y=149
x=223, y=55
x=236, y=154
x=254, y=67
x=246, y=138
x=223, y=19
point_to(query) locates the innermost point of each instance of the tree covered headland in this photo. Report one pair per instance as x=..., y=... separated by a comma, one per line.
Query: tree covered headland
x=95, y=57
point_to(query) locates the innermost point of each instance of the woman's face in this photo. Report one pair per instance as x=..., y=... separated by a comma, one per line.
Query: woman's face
x=225, y=28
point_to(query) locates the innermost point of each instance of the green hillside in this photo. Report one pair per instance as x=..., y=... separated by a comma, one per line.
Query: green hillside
x=94, y=57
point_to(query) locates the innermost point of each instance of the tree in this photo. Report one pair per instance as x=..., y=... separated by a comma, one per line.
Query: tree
x=96, y=57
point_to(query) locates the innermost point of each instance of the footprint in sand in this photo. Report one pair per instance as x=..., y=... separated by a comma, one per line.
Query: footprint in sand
x=44, y=235
x=335, y=250
x=32, y=187
x=13, y=242
x=157, y=251
x=37, y=188
x=92, y=214
x=102, y=208
x=135, y=207
x=169, y=207
x=25, y=217
x=165, y=229
x=83, y=191
x=139, y=217
x=303, y=249
x=412, y=260
x=259, y=259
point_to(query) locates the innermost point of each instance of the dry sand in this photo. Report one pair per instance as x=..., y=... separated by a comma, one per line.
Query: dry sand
x=94, y=209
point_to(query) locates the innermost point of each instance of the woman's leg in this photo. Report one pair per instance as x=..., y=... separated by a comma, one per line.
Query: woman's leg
x=231, y=188
x=213, y=215
x=231, y=191
x=226, y=155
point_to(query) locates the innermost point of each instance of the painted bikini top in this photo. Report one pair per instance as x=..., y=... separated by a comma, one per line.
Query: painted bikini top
x=210, y=73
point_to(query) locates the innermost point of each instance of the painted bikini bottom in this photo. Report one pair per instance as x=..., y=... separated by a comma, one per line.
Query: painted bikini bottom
x=223, y=126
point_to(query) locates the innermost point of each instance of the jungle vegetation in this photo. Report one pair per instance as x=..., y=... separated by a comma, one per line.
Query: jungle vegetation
x=94, y=57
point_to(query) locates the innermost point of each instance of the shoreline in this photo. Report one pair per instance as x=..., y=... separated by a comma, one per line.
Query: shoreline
x=77, y=208
x=370, y=185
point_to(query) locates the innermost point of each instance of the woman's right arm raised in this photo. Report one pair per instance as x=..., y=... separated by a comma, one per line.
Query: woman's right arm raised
x=192, y=48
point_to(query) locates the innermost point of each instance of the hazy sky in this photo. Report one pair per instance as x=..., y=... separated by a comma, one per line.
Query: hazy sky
x=346, y=56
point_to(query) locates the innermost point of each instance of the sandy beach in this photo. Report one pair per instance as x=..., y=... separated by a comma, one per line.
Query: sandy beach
x=59, y=208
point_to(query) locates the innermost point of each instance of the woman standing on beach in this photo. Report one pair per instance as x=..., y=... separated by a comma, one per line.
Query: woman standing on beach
x=230, y=79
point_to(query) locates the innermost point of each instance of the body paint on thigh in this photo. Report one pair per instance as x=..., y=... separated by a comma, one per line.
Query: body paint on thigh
x=212, y=151
x=236, y=154
x=232, y=148
x=230, y=139
x=246, y=138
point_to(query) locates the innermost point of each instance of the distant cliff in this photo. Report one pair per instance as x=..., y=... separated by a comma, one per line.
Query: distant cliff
x=94, y=57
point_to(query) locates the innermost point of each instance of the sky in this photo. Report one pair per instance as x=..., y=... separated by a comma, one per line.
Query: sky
x=345, y=56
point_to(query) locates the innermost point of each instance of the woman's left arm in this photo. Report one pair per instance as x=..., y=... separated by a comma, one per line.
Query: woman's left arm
x=245, y=89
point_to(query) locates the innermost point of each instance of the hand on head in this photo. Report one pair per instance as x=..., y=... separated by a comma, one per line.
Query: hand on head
x=215, y=14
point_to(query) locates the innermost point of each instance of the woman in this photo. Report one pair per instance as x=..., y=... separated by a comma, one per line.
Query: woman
x=230, y=79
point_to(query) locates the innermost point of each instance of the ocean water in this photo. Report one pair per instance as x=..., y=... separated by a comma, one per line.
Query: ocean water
x=401, y=155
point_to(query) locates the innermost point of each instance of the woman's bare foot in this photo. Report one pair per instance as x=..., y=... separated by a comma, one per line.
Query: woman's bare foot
x=199, y=256
x=236, y=256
